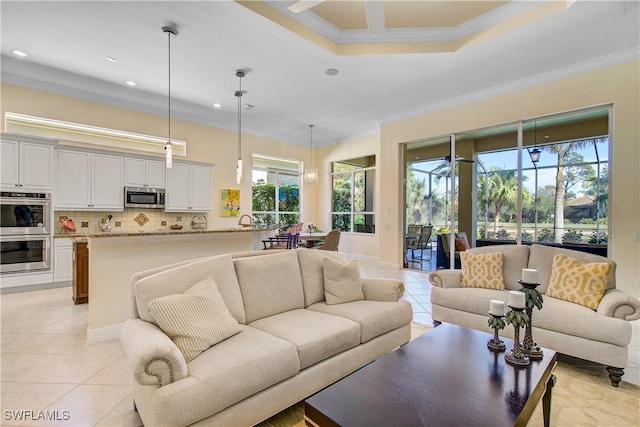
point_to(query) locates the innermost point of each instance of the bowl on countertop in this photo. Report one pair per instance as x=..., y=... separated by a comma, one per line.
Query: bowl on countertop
x=176, y=227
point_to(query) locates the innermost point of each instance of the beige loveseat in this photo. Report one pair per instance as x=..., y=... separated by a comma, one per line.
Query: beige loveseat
x=291, y=345
x=602, y=335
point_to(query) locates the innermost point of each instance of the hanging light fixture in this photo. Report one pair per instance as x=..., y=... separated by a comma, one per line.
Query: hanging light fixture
x=170, y=32
x=535, y=153
x=240, y=74
x=311, y=173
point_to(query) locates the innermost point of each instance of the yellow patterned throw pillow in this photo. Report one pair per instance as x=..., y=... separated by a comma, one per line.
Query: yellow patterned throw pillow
x=578, y=282
x=482, y=270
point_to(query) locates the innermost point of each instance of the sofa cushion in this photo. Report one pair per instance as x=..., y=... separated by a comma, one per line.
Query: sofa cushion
x=270, y=284
x=179, y=279
x=471, y=300
x=541, y=259
x=556, y=315
x=482, y=270
x=225, y=374
x=516, y=257
x=312, y=271
x=196, y=319
x=342, y=281
x=374, y=317
x=578, y=282
x=316, y=336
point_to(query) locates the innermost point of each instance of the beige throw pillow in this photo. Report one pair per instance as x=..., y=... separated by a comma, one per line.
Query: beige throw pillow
x=482, y=270
x=196, y=319
x=341, y=281
x=578, y=282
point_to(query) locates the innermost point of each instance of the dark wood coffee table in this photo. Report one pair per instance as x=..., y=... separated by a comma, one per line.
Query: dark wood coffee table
x=447, y=377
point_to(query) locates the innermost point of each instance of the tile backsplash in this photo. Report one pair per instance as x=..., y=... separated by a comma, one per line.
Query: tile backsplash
x=157, y=219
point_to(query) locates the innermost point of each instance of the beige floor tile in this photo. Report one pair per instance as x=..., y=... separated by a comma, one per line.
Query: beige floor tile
x=87, y=405
x=26, y=324
x=77, y=344
x=30, y=396
x=75, y=325
x=76, y=369
x=118, y=373
x=16, y=342
x=122, y=415
x=6, y=386
x=23, y=367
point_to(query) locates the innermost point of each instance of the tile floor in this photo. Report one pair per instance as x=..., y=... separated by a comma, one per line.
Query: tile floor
x=46, y=363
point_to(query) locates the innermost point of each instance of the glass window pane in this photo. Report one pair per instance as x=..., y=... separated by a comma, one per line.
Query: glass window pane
x=264, y=219
x=341, y=221
x=364, y=223
x=341, y=193
x=288, y=193
x=263, y=196
x=288, y=219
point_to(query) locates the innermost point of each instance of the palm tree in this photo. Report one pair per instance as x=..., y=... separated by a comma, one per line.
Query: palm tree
x=503, y=192
x=562, y=152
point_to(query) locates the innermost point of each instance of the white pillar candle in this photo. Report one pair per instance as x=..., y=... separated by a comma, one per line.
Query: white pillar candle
x=516, y=299
x=496, y=307
x=529, y=275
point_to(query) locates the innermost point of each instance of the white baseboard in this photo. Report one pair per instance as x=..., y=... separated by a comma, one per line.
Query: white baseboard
x=103, y=334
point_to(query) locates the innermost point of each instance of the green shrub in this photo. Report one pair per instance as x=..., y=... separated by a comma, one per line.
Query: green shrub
x=598, y=237
x=546, y=235
x=503, y=234
x=572, y=236
x=526, y=236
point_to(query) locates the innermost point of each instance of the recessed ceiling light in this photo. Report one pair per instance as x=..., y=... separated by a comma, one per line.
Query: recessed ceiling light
x=331, y=72
x=110, y=59
x=217, y=105
x=19, y=53
x=131, y=83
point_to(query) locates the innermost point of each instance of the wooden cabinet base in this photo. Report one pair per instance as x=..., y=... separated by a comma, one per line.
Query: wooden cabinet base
x=80, y=273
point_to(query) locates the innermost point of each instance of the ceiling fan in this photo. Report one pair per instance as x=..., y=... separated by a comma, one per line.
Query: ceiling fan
x=458, y=159
x=374, y=11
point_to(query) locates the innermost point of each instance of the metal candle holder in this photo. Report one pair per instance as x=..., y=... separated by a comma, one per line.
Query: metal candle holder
x=533, y=298
x=496, y=322
x=516, y=357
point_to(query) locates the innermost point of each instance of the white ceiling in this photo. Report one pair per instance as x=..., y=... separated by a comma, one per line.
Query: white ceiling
x=68, y=41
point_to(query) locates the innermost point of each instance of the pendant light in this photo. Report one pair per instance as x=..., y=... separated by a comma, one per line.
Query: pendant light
x=311, y=173
x=535, y=153
x=240, y=74
x=170, y=32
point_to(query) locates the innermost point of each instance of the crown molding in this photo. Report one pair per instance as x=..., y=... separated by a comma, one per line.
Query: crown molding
x=407, y=35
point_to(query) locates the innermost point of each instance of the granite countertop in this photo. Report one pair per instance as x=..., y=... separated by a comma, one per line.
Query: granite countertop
x=78, y=236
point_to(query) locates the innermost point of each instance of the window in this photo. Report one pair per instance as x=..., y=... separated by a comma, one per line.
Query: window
x=564, y=193
x=353, y=191
x=275, y=191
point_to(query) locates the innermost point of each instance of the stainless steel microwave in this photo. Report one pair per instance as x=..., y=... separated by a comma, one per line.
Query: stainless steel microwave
x=144, y=197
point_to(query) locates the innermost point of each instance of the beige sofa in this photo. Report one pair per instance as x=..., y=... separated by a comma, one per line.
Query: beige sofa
x=292, y=343
x=601, y=335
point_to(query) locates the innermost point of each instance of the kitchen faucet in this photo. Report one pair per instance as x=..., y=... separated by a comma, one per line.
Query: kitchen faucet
x=245, y=224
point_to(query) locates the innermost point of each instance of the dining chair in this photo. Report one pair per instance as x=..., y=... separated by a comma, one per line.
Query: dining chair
x=331, y=242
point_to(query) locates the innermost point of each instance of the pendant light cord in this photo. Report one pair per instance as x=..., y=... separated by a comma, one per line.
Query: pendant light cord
x=169, y=85
x=240, y=75
x=311, y=145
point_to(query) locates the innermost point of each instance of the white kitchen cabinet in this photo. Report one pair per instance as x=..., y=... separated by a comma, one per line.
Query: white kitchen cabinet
x=188, y=188
x=26, y=165
x=62, y=259
x=89, y=181
x=143, y=173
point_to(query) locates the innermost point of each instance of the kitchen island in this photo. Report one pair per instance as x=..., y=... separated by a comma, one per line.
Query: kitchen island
x=115, y=256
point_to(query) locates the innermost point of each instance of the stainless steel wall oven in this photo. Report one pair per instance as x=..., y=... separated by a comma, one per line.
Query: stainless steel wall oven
x=25, y=232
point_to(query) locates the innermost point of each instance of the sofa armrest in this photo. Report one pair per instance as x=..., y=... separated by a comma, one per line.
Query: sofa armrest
x=446, y=278
x=619, y=304
x=152, y=355
x=377, y=289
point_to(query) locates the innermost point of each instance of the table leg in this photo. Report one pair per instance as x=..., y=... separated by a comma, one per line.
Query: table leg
x=546, y=400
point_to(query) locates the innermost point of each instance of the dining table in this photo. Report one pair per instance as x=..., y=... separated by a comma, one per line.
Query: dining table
x=311, y=239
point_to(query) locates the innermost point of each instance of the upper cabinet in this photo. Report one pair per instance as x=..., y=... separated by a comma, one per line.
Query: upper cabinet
x=89, y=181
x=26, y=164
x=188, y=188
x=143, y=173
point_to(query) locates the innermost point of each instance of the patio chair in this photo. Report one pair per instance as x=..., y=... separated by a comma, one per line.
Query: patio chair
x=423, y=242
